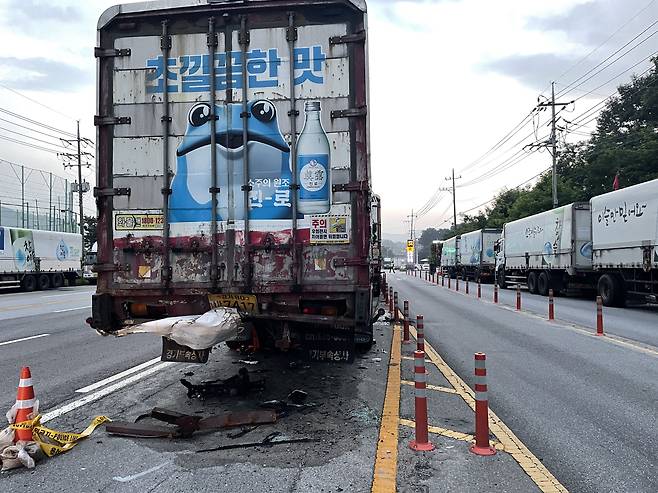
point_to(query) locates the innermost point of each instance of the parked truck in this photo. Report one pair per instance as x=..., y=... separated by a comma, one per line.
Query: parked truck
x=549, y=250
x=625, y=243
x=477, y=259
x=450, y=256
x=233, y=168
x=33, y=259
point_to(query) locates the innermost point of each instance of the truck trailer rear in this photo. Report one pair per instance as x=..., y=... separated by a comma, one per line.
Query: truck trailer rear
x=233, y=168
x=477, y=259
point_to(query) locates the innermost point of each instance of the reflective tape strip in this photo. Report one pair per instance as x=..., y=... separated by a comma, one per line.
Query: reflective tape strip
x=481, y=396
x=25, y=404
x=25, y=382
x=422, y=393
x=480, y=372
x=420, y=377
x=480, y=364
x=480, y=380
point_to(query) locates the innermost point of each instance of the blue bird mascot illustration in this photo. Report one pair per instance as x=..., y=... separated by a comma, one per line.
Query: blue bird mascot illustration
x=269, y=165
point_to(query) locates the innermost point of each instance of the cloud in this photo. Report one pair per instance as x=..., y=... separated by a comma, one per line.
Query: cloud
x=534, y=71
x=43, y=74
x=591, y=23
x=35, y=10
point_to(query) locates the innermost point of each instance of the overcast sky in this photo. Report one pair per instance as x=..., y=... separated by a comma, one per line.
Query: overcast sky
x=449, y=79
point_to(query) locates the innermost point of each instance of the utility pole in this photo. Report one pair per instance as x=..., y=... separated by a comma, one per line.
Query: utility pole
x=452, y=178
x=412, y=235
x=81, y=187
x=552, y=142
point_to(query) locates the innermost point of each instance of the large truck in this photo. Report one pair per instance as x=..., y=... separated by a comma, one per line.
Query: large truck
x=32, y=259
x=90, y=259
x=450, y=256
x=624, y=243
x=549, y=250
x=477, y=259
x=233, y=167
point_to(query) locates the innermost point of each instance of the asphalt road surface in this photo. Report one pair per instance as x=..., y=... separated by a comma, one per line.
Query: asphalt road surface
x=46, y=331
x=585, y=405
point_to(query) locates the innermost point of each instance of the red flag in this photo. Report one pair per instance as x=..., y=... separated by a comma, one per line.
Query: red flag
x=615, y=182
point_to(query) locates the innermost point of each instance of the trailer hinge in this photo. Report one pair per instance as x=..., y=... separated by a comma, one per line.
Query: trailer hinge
x=111, y=120
x=357, y=37
x=165, y=42
x=351, y=262
x=165, y=273
x=291, y=34
x=349, y=112
x=354, y=186
x=110, y=268
x=244, y=37
x=110, y=192
x=110, y=52
x=211, y=39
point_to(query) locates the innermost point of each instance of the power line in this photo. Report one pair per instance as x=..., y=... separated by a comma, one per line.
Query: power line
x=34, y=122
x=34, y=138
x=580, y=80
x=35, y=101
x=33, y=146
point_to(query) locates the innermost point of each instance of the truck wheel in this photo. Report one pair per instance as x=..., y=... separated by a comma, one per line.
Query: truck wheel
x=500, y=279
x=543, y=283
x=57, y=281
x=29, y=283
x=43, y=282
x=532, y=282
x=610, y=290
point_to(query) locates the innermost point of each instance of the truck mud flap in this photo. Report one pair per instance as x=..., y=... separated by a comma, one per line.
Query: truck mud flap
x=101, y=312
x=330, y=345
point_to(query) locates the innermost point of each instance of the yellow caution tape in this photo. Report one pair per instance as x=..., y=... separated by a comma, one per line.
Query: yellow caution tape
x=54, y=442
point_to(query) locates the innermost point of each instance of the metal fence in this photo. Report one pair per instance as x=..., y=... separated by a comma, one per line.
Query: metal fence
x=36, y=199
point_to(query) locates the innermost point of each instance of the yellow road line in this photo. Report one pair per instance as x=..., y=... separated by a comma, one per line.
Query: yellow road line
x=447, y=390
x=437, y=430
x=532, y=466
x=386, y=462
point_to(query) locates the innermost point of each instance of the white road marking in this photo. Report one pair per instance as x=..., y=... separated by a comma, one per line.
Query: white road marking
x=67, y=408
x=23, y=339
x=118, y=376
x=125, y=479
x=72, y=309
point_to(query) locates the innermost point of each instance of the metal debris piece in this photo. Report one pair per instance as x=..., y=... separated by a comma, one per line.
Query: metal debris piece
x=186, y=424
x=297, y=396
x=268, y=441
x=239, y=384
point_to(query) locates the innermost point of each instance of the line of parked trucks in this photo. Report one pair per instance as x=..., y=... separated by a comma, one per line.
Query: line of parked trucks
x=608, y=244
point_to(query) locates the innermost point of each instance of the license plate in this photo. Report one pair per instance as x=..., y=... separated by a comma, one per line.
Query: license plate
x=243, y=302
x=172, y=351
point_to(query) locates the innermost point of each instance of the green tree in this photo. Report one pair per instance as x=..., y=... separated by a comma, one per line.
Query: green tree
x=89, y=236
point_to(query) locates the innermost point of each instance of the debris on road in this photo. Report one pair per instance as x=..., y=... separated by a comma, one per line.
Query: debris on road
x=297, y=396
x=239, y=384
x=268, y=441
x=185, y=424
x=194, y=331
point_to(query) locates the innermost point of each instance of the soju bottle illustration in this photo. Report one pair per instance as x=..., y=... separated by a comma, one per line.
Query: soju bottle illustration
x=313, y=164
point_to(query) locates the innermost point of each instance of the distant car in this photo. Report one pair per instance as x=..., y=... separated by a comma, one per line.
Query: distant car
x=424, y=266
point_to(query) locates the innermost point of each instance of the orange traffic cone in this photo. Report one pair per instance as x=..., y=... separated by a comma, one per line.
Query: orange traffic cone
x=24, y=404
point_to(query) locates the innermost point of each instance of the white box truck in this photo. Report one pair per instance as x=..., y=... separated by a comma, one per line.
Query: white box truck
x=624, y=239
x=477, y=259
x=549, y=250
x=34, y=259
x=450, y=256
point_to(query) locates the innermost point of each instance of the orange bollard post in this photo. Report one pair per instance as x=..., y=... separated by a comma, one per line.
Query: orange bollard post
x=390, y=299
x=24, y=404
x=405, y=333
x=457, y=283
x=449, y=279
x=518, y=297
x=551, y=308
x=479, y=290
x=466, y=286
x=443, y=280
x=420, y=333
x=421, y=442
x=495, y=293
x=599, y=316
x=481, y=445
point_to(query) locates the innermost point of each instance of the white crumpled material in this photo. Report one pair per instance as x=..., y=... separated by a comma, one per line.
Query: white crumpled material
x=20, y=454
x=194, y=331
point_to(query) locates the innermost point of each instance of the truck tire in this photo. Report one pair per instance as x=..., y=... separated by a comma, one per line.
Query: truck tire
x=29, y=283
x=500, y=279
x=43, y=282
x=610, y=289
x=57, y=281
x=543, y=283
x=532, y=282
